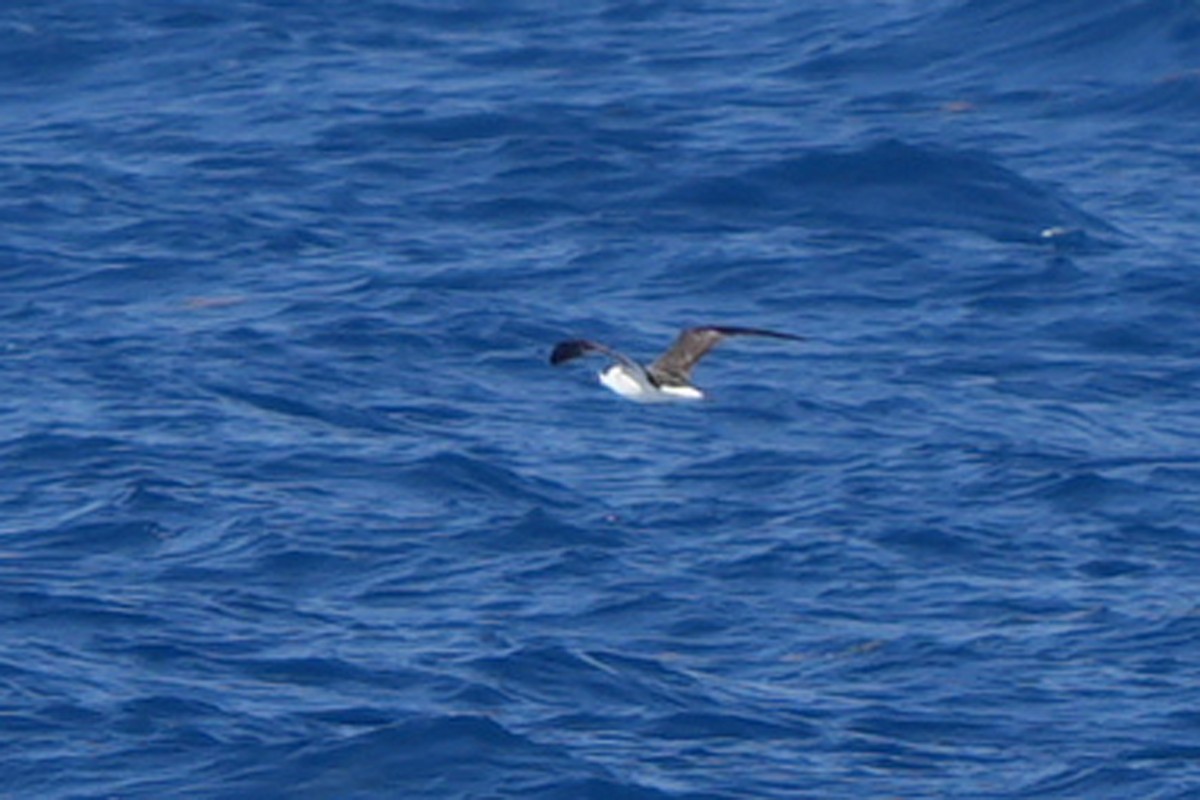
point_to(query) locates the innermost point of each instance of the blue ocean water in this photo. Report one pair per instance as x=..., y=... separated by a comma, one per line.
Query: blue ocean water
x=293, y=505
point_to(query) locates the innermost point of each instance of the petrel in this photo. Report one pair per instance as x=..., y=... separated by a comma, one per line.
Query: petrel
x=670, y=377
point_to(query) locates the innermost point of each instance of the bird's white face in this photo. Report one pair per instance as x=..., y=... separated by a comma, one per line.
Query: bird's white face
x=628, y=383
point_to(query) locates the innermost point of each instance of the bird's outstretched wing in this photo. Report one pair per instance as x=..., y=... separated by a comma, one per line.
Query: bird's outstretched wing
x=576, y=348
x=674, y=367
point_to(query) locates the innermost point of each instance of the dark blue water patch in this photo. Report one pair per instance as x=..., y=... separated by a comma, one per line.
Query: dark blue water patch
x=554, y=676
x=1078, y=38
x=1164, y=98
x=601, y=789
x=545, y=56
x=475, y=755
x=725, y=275
x=1161, y=645
x=1069, y=42
x=934, y=729
x=284, y=404
x=297, y=672
x=766, y=471
x=540, y=530
x=51, y=448
x=1096, y=778
x=43, y=47
x=84, y=539
x=888, y=185
x=72, y=612
x=811, y=559
x=936, y=542
x=480, y=478
x=518, y=210
x=716, y=727
x=1129, y=338
x=173, y=716
x=457, y=129
x=1085, y=491
x=1002, y=295
x=1106, y=569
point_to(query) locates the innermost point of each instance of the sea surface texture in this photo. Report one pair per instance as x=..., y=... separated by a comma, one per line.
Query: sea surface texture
x=294, y=506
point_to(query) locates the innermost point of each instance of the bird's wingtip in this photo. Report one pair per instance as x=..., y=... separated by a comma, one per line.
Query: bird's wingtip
x=568, y=350
x=734, y=330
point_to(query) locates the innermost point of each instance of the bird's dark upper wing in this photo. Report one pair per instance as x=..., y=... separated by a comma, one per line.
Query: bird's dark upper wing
x=576, y=348
x=674, y=367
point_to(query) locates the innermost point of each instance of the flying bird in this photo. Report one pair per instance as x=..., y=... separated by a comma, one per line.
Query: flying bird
x=670, y=377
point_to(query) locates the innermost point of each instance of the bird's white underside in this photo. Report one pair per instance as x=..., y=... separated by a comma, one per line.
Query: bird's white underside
x=635, y=386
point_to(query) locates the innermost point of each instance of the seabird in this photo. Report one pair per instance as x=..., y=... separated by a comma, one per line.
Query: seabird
x=670, y=377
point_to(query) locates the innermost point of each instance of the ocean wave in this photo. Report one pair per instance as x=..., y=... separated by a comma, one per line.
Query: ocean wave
x=889, y=185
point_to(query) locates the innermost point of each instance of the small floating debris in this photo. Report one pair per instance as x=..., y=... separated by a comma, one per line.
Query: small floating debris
x=1052, y=233
x=217, y=301
x=959, y=107
x=1060, y=237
